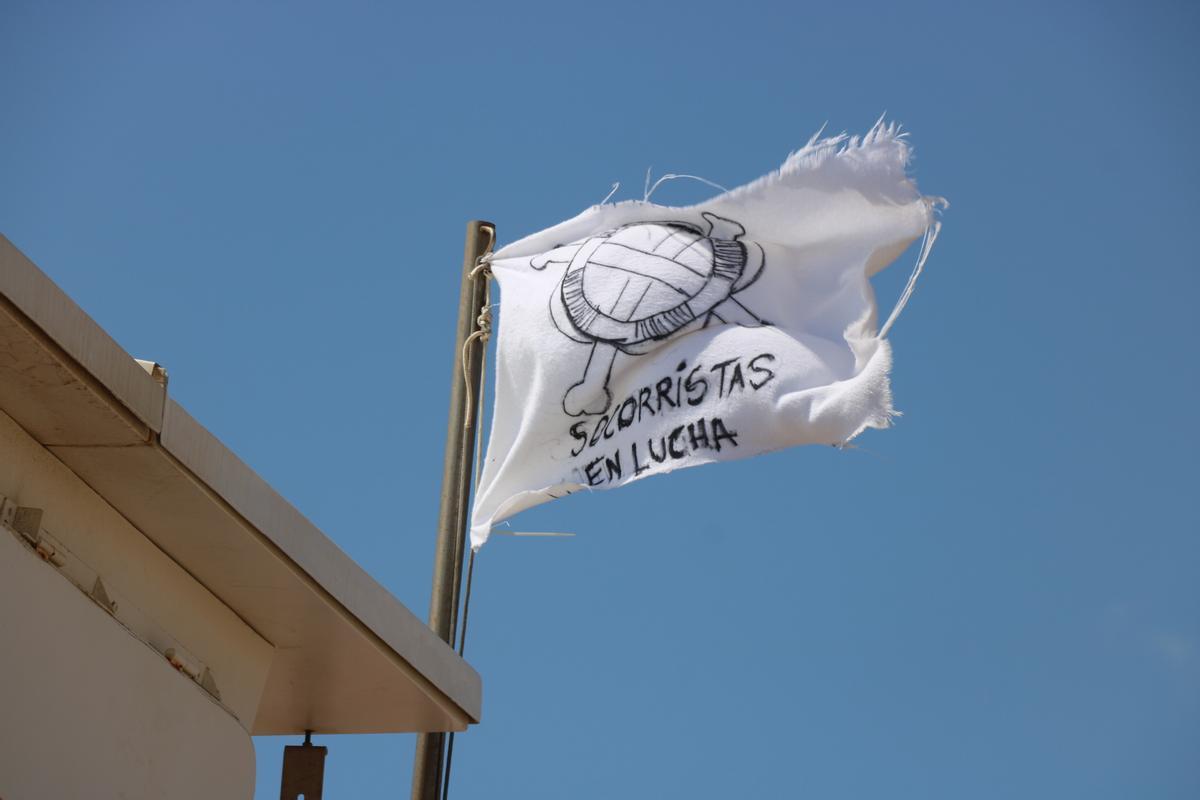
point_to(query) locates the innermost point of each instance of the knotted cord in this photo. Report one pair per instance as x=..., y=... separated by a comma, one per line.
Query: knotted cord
x=483, y=332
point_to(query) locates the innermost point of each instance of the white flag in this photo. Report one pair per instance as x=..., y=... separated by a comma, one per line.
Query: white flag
x=636, y=339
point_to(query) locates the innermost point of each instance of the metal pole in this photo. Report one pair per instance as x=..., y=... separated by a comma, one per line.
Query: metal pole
x=456, y=490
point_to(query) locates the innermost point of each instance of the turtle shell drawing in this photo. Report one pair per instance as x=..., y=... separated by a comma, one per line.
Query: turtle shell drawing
x=631, y=288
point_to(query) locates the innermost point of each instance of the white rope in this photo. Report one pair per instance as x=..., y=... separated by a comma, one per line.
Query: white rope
x=483, y=332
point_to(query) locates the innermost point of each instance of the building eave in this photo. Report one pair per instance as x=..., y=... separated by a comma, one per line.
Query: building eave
x=350, y=658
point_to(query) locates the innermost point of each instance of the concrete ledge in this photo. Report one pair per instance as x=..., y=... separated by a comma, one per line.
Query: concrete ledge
x=28, y=289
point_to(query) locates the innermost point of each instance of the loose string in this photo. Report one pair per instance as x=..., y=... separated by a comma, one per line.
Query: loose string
x=936, y=205
x=616, y=185
x=671, y=176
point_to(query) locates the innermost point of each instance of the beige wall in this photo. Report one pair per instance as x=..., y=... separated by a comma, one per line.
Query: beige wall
x=157, y=600
x=88, y=711
x=89, y=705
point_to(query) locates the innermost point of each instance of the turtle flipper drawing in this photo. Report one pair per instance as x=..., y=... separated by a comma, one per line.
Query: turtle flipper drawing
x=631, y=288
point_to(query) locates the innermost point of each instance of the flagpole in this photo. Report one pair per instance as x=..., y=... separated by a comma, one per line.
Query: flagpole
x=456, y=487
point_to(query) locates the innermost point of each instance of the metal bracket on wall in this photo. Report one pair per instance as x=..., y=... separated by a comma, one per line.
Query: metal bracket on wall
x=27, y=521
x=8, y=510
x=100, y=595
x=209, y=684
x=303, y=770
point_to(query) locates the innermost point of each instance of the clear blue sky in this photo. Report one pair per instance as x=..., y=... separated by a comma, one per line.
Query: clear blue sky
x=997, y=598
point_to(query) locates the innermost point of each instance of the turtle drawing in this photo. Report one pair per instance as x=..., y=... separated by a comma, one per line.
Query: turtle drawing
x=631, y=288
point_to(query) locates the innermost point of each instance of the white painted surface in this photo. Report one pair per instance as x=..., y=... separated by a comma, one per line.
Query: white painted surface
x=348, y=656
x=164, y=604
x=65, y=324
x=348, y=687
x=88, y=711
